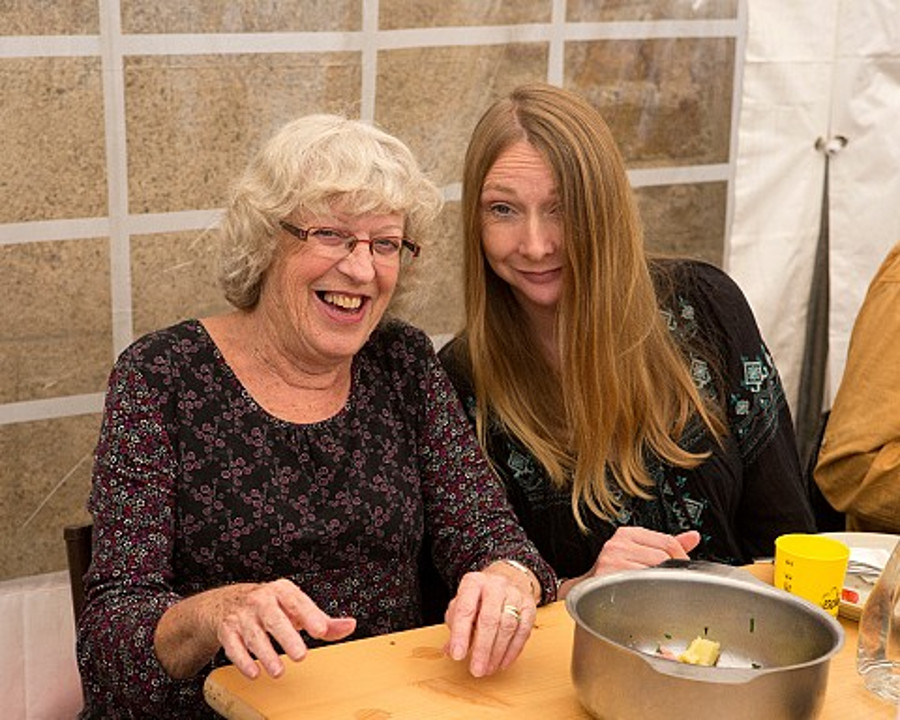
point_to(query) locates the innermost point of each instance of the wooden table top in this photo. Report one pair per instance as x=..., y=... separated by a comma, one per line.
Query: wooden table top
x=406, y=676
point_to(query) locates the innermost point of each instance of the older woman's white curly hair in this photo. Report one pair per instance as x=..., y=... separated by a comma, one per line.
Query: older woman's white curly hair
x=312, y=165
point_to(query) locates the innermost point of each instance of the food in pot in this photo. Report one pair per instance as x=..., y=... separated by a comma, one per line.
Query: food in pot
x=701, y=651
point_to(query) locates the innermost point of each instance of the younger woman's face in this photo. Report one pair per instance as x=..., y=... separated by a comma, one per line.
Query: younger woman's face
x=522, y=228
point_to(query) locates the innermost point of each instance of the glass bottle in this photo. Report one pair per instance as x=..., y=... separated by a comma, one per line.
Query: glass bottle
x=878, y=649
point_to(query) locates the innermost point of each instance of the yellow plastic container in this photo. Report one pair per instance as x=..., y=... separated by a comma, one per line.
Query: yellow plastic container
x=812, y=567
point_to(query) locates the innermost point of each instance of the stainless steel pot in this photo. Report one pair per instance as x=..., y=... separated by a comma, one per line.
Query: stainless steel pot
x=775, y=647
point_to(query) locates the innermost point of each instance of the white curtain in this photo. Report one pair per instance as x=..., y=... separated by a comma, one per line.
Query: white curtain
x=815, y=69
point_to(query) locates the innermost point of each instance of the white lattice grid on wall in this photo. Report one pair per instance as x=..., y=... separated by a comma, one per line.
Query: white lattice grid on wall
x=112, y=45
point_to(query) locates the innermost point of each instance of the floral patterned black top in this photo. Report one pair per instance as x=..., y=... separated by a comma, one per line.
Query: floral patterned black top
x=740, y=499
x=196, y=486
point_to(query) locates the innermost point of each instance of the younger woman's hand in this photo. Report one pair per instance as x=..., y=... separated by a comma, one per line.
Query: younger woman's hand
x=637, y=547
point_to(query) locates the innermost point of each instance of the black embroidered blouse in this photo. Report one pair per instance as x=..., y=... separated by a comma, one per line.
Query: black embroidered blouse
x=740, y=499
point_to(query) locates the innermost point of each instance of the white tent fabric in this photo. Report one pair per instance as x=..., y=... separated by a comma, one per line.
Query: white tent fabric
x=815, y=69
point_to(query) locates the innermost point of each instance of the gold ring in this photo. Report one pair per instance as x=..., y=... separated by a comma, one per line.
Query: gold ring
x=514, y=611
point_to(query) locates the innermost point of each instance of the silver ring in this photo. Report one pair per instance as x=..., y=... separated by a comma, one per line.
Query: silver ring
x=514, y=611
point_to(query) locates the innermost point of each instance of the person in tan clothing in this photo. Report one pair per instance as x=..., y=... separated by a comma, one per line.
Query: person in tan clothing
x=859, y=463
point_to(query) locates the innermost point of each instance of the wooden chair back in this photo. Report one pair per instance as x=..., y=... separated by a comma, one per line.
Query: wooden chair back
x=79, y=539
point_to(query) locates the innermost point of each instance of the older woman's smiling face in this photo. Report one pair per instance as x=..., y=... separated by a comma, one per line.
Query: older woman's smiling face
x=324, y=309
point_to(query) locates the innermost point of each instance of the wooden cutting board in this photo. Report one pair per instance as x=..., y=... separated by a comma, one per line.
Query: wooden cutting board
x=406, y=676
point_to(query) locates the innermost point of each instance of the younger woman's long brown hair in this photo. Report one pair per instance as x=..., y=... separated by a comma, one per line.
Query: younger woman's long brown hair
x=622, y=387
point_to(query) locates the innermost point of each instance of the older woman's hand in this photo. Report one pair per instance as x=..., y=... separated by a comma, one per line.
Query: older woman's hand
x=490, y=618
x=637, y=547
x=243, y=619
x=274, y=610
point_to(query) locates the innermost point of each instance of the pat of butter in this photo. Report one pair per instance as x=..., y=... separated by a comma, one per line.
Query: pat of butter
x=701, y=652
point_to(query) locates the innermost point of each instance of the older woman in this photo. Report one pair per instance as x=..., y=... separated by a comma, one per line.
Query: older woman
x=631, y=407
x=275, y=469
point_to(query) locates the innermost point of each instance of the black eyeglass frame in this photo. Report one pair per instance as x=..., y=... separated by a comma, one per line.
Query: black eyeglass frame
x=350, y=240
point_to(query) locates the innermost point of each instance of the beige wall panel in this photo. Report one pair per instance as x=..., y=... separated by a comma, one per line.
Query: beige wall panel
x=431, y=98
x=686, y=220
x=46, y=468
x=194, y=121
x=633, y=10
x=52, y=148
x=667, y=101
x=235, y=16
x=440, y=13
x=173, y=277
x=435, y=300
x=55, y=319
x=49, y=17
x=191, y=122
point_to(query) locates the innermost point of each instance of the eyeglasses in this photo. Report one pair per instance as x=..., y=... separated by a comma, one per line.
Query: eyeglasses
x=338, y=244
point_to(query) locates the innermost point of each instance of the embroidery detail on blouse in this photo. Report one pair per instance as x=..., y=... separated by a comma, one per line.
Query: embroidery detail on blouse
x=756, y=372
x=700, y=373
x=673, y=506
x=669, y=319
x=755, y=408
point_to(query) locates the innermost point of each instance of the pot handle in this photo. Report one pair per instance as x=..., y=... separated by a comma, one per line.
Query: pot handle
x=718, y=675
